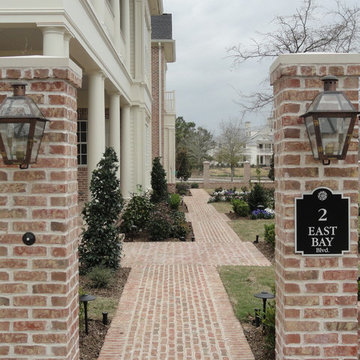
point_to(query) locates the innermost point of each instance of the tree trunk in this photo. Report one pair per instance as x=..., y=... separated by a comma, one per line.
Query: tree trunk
x=232, y=173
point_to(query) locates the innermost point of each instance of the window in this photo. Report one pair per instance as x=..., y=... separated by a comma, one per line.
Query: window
x=82, y=137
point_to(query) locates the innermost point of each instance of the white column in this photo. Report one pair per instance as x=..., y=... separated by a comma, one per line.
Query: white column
x=139, y=40
x=53, y=41
x=125, y=26
x=171, y=155
x=114, y=112
x=126, y=158
x=115, y=4
x=139, y=148
x=67, y=38
x=96, y=120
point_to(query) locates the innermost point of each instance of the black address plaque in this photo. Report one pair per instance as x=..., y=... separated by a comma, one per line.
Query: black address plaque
x=322, y=223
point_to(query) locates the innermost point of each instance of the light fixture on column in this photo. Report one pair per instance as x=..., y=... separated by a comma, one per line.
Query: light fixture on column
x=330, y=121
x=22, y=127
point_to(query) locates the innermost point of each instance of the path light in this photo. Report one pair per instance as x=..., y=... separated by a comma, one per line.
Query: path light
x=330, y=121
x=264, y=295
x=21, y=128
x=85, y=299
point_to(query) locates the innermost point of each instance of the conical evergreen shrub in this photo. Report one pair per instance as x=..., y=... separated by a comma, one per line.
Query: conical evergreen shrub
x=100, y=245
x=158, y=182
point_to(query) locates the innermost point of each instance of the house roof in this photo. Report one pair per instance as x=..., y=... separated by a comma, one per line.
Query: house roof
x=161, y=26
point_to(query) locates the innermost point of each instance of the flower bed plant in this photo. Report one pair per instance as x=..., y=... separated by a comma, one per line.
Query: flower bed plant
x=227, y=195
x=262, y=214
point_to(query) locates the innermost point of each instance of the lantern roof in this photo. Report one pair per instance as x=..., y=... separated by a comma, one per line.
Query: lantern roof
x=330, y=100
x=19, y=105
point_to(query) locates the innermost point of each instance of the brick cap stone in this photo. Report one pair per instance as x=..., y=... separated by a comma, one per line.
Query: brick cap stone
x=315, y=58
x=38, y=61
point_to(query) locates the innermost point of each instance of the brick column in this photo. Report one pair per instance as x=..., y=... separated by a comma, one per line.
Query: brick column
x=39, y=283
x=247, y=173
x=316, y=297
x=206, y=173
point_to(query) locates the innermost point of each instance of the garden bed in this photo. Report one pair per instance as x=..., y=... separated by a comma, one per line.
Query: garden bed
x=145, y=237
x=91, y=344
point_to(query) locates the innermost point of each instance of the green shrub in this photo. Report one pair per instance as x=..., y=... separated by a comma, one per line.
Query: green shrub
x=100, y=243
x=182, y=188
x=269, y=325
x=270, y=234
x=158, y=182
x=100, y=277
x=179, y=226
x=256, y=197
x=174, y=201
x=159, y=225
x=194, y=185
x=136, y=214
x=240, y=207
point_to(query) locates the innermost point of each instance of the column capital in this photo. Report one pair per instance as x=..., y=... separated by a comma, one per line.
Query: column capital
x=113, y=92
x=93, y=72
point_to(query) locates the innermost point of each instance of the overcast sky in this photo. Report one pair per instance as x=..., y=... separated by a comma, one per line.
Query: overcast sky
x=203, y=76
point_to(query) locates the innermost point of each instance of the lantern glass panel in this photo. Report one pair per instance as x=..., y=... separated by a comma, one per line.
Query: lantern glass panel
x=38, y=134
x=309, y=122
x=15, y=138
x=333, y=133
x=331, y=101
x=20, y=107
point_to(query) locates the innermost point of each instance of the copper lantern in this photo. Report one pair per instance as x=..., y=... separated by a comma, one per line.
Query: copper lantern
x=330, y=121
x=22, y=127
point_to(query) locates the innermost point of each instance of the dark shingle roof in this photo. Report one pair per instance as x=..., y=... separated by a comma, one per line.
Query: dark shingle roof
x=161, y=26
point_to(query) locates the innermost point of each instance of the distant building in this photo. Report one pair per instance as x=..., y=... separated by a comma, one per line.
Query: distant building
x=259, y=146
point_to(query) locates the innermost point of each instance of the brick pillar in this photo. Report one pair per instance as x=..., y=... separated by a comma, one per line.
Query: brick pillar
x=206, y=174
x=39, y=283
x=247, y=173
x=316, y=297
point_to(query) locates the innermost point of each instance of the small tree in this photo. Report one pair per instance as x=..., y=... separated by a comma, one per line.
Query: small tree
x=100, y=243
x=183, y=166
x=158, y=182
x=231, y=144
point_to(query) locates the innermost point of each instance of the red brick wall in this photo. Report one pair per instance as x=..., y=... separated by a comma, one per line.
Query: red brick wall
x=316, y=296
x=83, y=186
x=39, y=283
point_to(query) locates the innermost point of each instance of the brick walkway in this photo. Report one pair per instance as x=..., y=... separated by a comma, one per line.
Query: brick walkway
x=174, y=305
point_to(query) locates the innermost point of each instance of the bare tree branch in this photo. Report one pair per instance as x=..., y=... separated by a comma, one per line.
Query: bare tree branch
x=310, y=29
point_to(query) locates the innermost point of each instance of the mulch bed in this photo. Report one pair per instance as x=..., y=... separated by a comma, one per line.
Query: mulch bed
x=90, y=345
x=144, y=237
x=255, y=337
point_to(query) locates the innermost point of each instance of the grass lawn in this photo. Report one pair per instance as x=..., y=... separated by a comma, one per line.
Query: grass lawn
x=102, y=304
x=242, y=282
x=222, y=206
x=248, y=229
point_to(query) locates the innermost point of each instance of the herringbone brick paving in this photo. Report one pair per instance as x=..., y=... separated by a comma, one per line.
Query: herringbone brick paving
x=174, y=305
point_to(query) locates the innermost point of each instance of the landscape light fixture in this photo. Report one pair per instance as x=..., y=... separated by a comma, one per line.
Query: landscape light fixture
x=329, y=122
x=22, y=128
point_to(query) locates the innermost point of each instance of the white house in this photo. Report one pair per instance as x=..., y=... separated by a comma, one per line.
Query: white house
x=259, y=144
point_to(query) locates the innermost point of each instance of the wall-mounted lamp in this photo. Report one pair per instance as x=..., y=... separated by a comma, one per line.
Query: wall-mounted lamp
x=22, y=127
x=330, y=122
